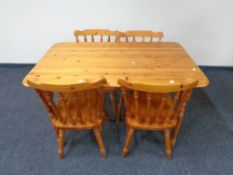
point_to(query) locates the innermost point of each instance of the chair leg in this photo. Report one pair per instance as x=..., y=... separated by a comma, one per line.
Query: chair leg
x=56, y=131
x=167, y=143
x=175, y=133
x=100, y=142
x=106, y=116
x=101, y=128
x=130, y=132
x=113, y=101
x=61, y=143
x=119, y=109
x=177, y=127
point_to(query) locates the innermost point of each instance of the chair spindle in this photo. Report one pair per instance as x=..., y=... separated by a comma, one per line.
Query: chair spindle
x=137, y=116
x=159, y=117
x=163, y=109
x=148, y=108
x=92, y=39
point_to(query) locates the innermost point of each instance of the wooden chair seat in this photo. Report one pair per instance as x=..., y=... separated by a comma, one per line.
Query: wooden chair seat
x=78, y=125
x=154, y=126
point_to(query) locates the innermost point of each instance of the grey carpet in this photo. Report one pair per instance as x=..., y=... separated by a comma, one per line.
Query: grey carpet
x=28, y=145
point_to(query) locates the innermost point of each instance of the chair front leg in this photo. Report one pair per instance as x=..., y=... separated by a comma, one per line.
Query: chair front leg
x=177, y=127
x=100, y=141
x=130, y=132
x=56, y=131
x=167, y=143
x=61, y=143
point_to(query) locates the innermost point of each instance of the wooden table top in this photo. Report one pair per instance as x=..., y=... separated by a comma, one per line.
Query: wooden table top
x=150, y=63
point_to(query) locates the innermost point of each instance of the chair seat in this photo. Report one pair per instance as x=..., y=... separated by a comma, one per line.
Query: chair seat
x=152, y=126
x=77, y=125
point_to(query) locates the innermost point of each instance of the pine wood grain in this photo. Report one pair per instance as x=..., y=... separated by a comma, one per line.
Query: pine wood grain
x=155, y=107
x=142, y=36
x=91, y=35
x=104, y=36
x=148, y=63
x=77, y=106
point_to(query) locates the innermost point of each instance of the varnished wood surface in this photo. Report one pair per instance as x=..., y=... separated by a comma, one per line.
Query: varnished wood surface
x=74, y=107
x=88, y=35
x=147, y=63
x=100, y=35
x=134, y=34
x=155, y=108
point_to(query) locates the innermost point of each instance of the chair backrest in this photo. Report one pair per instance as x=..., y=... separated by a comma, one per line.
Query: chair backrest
x=143, y=36
x=96, y=35
x=153, y=104
x=85, y=98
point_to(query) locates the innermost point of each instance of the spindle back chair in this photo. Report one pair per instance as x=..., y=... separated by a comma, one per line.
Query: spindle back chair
x=150, y=107
x=96, y=35
x=104, y=35
x=143, y=36
x=74, y=107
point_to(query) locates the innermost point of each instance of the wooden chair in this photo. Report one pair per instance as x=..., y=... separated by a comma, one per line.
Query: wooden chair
x=131, y=36
x=78, y=107
x=155, y=108
x=104, y=36
x=95, y=35
x=143, y=36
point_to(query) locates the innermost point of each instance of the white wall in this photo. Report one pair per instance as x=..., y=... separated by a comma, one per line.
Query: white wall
x=29, y=27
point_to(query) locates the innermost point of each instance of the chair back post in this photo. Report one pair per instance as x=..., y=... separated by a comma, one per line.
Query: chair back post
x=148, y=106
x=136, y=105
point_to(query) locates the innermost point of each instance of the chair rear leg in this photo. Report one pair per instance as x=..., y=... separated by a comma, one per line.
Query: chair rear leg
x=130, y=132
x=100, y=141
x=167, y=143
x=61, y=143
x=113, y=101
x=56, y=131
x=119, y=109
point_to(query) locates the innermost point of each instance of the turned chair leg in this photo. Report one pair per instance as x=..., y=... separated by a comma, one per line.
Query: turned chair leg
x=130, y=132
x=113, y=101
x=61, y=143
x=56, y=131
x=106, y=116
x=167, y=143
x=100, y=142
x=175, y=133
x=177, y=127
